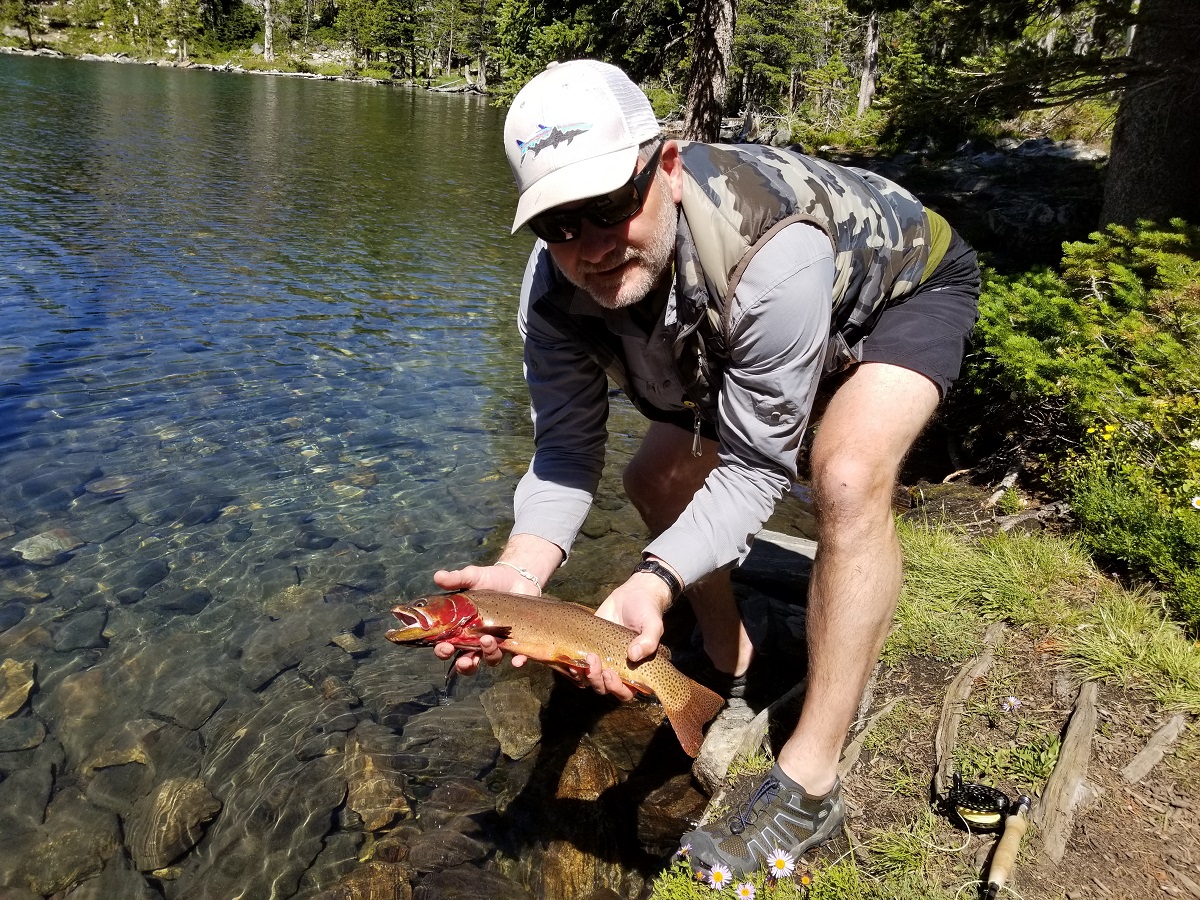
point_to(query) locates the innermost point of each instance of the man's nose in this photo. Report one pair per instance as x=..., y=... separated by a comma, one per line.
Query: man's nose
x=595, y=242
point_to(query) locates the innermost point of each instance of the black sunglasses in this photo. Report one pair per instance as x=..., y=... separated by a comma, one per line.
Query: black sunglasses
x=557, y=226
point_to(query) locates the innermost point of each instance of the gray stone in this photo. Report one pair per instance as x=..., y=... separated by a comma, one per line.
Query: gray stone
x=337, y=859
x=21, y=733
x=183, y=601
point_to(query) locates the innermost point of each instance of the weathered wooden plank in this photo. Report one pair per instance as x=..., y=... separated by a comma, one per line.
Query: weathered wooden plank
x=1067, y=784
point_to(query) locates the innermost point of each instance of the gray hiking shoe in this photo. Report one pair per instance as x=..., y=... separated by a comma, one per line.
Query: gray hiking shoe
x=775, y=818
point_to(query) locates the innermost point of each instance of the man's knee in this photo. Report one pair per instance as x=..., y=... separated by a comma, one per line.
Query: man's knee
x=853, y=486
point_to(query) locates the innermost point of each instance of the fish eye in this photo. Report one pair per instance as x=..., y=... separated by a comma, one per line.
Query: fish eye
x=421, y=604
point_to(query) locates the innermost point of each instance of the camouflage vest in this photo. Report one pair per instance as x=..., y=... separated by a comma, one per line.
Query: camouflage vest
x=735, y=198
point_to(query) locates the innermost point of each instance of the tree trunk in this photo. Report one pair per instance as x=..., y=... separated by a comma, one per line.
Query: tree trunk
x=866, y=85
x=1152, y=172
x=712, y=54
x=268, y=33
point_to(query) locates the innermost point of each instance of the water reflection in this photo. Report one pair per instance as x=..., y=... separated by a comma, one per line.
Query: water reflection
x=258, y=375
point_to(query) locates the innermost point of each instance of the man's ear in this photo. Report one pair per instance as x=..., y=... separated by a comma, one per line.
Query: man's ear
x=671, y=164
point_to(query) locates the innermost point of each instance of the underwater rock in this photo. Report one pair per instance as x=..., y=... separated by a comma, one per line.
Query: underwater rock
x=514, y=712
x=391, y=691
x=47, y=548
x=338, y=858
x=446, y=741
x=84, y=631
x=119, y=881
x=75, y=842
x=167, y=822
x=22, y=733
x=180, y=602
x=25, y=793
x=16, y=681
x=273, y=826
x=189, y=705
x=373, y=881
x=443, y=848
x=458, y=803
x=470, y=883
x=669, y=811
x=293, y=598
x=624, y=733
x=375, y=786
x=110, y=485
x=117, y=788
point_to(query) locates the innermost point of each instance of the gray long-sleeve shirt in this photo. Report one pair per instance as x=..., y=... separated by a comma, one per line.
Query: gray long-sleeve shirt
x=779, y=331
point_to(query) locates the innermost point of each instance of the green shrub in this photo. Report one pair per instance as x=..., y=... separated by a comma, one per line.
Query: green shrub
x=1098, y=368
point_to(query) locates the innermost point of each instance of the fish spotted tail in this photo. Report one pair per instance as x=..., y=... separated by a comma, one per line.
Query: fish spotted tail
x=689, y=709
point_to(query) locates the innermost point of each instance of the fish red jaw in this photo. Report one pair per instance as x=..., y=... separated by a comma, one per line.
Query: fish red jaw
x=430, y=620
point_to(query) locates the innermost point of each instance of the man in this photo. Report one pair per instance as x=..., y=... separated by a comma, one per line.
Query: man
x=718, y=285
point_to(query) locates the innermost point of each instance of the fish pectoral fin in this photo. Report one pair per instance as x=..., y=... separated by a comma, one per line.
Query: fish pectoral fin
x=574, y=671
x=499, y=632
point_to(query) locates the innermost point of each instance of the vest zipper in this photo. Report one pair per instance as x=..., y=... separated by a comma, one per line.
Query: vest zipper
x=696, y=451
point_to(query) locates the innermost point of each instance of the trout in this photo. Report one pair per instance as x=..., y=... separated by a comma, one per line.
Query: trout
x=561, y=635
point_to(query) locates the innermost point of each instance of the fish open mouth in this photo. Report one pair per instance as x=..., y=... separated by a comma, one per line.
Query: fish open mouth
x=408, y=619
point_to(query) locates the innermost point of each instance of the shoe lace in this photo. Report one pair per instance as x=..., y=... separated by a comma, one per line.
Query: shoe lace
x=766, y=792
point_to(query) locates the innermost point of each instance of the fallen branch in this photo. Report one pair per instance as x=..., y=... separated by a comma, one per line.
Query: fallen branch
x=854, y=749
x=955, y=703
x=1156, y=748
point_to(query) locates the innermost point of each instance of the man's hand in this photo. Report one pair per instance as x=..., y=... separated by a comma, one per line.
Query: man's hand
x=638, y=604
x=484, y=578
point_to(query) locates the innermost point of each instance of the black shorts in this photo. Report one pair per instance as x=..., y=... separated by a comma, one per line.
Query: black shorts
x=928, y=331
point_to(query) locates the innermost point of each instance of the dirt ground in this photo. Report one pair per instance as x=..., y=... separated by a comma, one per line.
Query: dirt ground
x=1131, y=841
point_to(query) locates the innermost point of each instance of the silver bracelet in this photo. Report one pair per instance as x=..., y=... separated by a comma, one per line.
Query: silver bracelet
x=522, y=571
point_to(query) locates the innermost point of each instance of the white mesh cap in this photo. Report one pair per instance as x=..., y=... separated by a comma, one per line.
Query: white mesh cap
x=573, y=132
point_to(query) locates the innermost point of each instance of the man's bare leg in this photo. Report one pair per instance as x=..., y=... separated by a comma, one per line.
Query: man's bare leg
x=661, y=480
x=868, y=428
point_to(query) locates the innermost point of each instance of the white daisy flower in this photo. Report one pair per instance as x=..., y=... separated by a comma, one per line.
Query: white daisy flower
x=780, y=864
x=719, y=877
x=1011, y=704
x=745, y=891
x=684, y=851
x=1196, y=503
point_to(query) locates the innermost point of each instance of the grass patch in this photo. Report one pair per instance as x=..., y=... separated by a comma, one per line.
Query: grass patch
x=1127, y=638
x=903, y=723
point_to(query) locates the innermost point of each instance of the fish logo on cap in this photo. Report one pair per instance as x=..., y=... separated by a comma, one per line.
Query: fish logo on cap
x=547, y=137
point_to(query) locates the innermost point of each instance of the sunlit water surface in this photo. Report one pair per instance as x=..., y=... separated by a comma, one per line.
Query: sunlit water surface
x=259, y=376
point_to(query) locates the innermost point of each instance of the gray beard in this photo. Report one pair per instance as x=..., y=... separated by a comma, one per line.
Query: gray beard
x=653, y=260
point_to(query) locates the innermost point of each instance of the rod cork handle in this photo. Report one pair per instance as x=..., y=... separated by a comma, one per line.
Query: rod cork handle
x=1005, y=856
